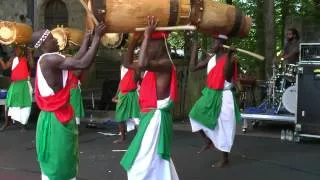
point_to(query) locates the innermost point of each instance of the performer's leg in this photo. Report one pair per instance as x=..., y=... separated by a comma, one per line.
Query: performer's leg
x=122, y=128
x=208, y=142
x=6, y=119
x=224, y=162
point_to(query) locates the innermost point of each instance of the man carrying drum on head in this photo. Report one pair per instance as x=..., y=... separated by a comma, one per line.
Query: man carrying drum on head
x=215, y=114
x=149, y=154
x=57, y=134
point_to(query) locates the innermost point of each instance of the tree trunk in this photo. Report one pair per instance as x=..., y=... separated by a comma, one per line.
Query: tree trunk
x=270, y=40
x=285, y=10
x=260, y=39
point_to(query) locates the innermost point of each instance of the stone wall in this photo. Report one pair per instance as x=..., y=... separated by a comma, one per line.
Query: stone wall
x=11, y=9
x=75, y=11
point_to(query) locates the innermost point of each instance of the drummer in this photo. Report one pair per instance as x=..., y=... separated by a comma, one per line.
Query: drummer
x=291, y=49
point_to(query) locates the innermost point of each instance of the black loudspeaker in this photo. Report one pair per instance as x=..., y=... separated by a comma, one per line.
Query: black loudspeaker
x=308, y=98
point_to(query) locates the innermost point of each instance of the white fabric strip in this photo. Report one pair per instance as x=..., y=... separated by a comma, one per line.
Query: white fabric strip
x=45, y=89
x=148, y=165
x=211, y=64
x=15, y=63
x=123, y=72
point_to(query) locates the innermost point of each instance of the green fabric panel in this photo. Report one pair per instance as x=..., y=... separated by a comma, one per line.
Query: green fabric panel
x=165, y=136
x=127, y=106
x=77, y=102
x=19, y=94
x=57, y=147
x=207, y=109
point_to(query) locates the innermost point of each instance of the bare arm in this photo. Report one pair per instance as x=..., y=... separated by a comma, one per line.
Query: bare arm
x=228, y=68
x=194, y=65
x=128, y=59
x=162, y=64
x=73, y=63
x=84, y=46
x=30, y=58
x=6, y=65
x=3, y=64
x=115, y=98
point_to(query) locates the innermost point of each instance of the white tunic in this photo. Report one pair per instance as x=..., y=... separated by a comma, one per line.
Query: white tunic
x=223, y=134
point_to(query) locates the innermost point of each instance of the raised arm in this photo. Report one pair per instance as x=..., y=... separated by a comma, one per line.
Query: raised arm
x=129, y=56
x=228, y=68
x=84, y=46
x=73, y=63
x=159, y=64
x=194, y=65
x=30, y=58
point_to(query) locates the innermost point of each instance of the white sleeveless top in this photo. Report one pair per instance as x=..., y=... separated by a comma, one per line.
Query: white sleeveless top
x=44, y=89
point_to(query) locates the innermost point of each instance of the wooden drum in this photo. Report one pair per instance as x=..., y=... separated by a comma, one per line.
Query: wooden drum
x=123, y=16
x=17, y=33
x=214, y=17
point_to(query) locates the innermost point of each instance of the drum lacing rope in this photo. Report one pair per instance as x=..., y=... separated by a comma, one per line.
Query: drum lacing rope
x=165, y=40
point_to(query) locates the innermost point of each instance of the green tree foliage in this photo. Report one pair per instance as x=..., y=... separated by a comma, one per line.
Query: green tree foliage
x=254, y=42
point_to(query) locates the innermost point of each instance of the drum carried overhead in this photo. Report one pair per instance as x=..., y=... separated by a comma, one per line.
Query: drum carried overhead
x=13, y=32
x=123, y=16
x=214, y=17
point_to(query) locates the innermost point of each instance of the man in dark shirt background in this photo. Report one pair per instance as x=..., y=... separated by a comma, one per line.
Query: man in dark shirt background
x=291, y=49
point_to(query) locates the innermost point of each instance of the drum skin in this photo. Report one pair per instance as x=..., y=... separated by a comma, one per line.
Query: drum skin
x=289, y=99
x=67, y=37
x=14, y=33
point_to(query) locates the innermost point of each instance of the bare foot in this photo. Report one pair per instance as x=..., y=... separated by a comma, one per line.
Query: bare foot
x=119, y=141
x=221, y=164
x=205, y=147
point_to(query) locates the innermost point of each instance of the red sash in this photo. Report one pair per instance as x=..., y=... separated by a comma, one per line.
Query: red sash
x=57, y=103
x=20, y=72
x=127, y=83
x=148, y=91
x=216, y=77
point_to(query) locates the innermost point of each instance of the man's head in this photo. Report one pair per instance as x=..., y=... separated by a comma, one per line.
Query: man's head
x=22, y=17
x=44, y=40
x=19, y=51
x=219, y=40
x=157, y=44
x=292, y=33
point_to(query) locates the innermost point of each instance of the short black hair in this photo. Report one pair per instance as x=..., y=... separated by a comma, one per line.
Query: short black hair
x=294, y=32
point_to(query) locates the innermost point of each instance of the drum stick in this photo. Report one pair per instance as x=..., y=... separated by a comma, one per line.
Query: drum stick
x=172, y=28
x=258, y=56
x=89, y=12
